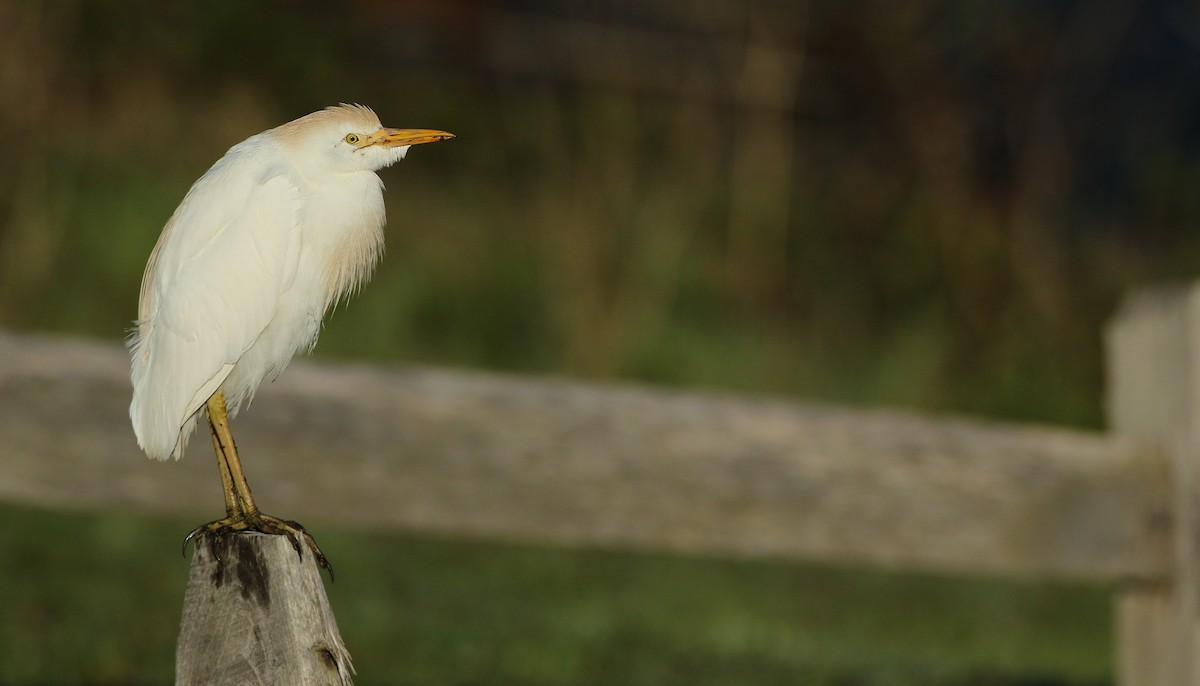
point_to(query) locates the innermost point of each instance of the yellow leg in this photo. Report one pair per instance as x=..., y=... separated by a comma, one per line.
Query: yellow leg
x=218, y=418
x=241, y=512
x=233, y=506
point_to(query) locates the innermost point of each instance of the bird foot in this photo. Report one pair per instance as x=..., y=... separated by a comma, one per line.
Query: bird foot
x=216, y=531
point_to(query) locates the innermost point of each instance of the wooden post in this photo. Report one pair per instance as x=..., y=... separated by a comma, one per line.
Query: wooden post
x=1154, y=396
x=258, y=615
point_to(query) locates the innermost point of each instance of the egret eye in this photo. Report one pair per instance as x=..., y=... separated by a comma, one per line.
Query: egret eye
x=352, y=138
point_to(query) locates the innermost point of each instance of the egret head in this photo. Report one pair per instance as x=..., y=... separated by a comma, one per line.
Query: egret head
x=349, y=138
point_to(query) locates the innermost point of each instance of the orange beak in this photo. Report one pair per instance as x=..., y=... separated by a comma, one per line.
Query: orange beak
x=395, y=138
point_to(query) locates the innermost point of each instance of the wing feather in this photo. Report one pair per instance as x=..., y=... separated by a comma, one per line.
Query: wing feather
x=211, y=286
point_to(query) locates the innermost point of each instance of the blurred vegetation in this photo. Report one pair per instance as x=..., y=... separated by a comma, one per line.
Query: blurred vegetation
x=430, y=612
x=932, y=204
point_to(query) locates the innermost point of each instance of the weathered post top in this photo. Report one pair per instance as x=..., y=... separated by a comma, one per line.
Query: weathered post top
x=258, y=615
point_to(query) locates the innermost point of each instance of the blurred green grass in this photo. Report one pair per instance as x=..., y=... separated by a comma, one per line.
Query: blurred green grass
x=95, y=599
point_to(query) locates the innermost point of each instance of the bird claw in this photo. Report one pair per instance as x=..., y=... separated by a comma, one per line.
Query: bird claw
x=258, y=522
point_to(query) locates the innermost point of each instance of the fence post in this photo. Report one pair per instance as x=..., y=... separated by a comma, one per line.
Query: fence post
x=258, y=615
x=1154, y=395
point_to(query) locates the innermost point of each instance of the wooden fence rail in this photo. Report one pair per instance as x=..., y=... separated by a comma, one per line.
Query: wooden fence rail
x=498, y=456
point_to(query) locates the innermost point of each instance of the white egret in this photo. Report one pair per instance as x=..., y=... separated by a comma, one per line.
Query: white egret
x=288, y=222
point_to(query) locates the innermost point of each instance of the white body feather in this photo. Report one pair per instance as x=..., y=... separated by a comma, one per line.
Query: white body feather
x=279, y=229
